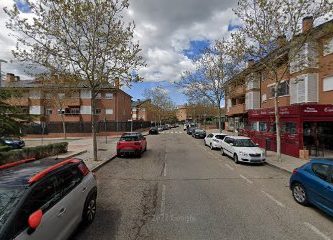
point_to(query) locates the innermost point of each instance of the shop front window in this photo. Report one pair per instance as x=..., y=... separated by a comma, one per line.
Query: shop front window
x=272, y=128
x=255, y=126
x=262, y=126
x=289, y=128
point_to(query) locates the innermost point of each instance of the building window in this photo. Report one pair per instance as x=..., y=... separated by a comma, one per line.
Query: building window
x=98, y=96
x=328, y=47
x=328, y=84
x=283, y=89
x=289, y=128
x=72, y=111
x=255, y=126
x=98, y=111
x=262, y=126
x=108, y=95
x=48, y=111
x=61, y=95
x=109, y=111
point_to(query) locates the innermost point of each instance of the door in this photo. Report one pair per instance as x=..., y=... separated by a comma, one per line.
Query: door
x=44, y=196
x=320, y=186
x=74, y=191
x=226, y=146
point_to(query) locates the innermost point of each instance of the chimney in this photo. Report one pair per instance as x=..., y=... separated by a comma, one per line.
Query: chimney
x=117, y=82
x=250, y=63
x=281, y=41
x=10, y=77
x=307, y=24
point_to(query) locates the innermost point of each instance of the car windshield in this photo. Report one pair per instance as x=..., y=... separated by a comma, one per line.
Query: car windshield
x=128, y=138
x=9, y=197
x=220, y=137
x=244, y=143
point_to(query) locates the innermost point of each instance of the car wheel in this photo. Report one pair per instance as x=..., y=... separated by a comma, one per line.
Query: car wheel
x=299, y=194
x=236, y=159
x=222, y=152
x=89, y=211
x=205, y=142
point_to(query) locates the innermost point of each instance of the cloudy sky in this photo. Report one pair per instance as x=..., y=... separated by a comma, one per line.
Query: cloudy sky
x=170, y=32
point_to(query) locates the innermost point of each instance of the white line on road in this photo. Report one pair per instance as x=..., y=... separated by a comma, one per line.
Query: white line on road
x=163, y=200
x=246, y=179
x=317, y=231
x=228, y=166
x=273, y=199
x=165, y=169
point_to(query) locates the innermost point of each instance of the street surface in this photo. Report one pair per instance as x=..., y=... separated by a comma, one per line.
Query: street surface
x=180, y=189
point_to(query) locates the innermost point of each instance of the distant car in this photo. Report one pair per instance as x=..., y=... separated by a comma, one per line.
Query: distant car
x=242, y=149
x=160, y=129
x=214, y=140
x=15, y=143
x=45, y=199
x=153, y=131
x=190, y=130
x=132, y=143
x=165, y=127
x=185, y=127
x=199, y=133
x=313, y=183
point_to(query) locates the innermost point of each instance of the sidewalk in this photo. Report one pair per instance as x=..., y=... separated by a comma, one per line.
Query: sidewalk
x=287, y=163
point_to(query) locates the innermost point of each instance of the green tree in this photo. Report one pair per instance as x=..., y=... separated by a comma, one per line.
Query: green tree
x=86, y=39
x=11, y=117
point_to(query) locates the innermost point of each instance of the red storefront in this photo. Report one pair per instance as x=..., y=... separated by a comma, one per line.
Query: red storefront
x=302, y=127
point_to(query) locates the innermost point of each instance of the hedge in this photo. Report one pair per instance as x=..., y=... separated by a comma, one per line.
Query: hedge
x=33, y=152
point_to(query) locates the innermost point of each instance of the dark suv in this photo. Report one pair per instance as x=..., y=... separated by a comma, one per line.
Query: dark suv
x=45, y=199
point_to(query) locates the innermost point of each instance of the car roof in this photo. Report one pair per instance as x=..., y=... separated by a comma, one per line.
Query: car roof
x=130, y=133
x=239, y=137
x=20, y=175
x=224, y=134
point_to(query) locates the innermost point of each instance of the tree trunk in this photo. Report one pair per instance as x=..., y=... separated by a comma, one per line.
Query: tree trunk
x=220, y=119
x=277, y=124
x=64, y=126
x=93, y=127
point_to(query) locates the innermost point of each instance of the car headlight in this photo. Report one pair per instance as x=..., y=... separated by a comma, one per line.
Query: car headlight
x=8, y=142
x=244, y=154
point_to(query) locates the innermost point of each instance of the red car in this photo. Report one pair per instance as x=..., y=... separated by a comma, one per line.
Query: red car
x=132, y=143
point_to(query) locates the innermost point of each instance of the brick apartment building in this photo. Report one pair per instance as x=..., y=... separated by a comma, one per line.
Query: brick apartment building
x=113, y=105
x=305, y=98
x=141, y=110
x=182, y=114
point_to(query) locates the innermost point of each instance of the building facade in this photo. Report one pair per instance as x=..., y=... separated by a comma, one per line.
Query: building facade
x=52, y=104
x=142, y=111
x=305, y=98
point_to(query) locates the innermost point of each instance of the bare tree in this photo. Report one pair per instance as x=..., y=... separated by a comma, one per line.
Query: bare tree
x=271, y=33
x=209, y=79
x=87, y=39
x=161, y=104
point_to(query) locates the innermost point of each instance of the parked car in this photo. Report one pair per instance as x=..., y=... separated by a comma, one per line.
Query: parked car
x=132, y=143
x=190, y=130
x=242, y=149
x=199, y=133
x=185, y=127
x=313, y=183
x=160, y=129
x=45, y=199
x=15, y=143
x=214, y=140
x=165, y=127
x=153, y=131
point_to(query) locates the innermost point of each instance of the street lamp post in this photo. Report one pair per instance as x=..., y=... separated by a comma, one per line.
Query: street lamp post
x=1, y=61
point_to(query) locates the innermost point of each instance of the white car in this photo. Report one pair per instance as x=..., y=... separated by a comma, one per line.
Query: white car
x=214, y=140
x=242, y=149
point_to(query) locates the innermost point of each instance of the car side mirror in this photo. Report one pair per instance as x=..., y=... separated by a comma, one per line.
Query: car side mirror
x=35, y=219
x=257, y=144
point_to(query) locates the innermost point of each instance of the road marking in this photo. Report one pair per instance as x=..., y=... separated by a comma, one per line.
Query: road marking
x=163, y=200
x=273, y=199
x=246, y=179
x=228, y=166
x=317, y=231
x=165, y=165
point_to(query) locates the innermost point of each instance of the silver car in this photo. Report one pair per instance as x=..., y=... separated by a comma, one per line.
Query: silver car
x=45, y=199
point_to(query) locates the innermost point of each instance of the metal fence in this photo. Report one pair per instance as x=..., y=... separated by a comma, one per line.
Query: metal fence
x=83, y=127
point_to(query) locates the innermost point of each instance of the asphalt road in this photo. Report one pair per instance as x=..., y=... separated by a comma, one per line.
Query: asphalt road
x=180, y=189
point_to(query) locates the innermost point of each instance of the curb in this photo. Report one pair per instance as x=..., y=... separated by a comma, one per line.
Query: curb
x=279, y=168
x=94, y=169
x=76, y=154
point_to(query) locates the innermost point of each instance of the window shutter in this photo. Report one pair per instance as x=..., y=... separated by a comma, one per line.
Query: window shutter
x=293, y=91
x=312, y=88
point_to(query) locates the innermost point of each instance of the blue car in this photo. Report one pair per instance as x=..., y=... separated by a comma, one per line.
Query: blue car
x=312, y=183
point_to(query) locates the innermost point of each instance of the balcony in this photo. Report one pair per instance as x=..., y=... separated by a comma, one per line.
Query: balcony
x=236, y=109
x=237, y=91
